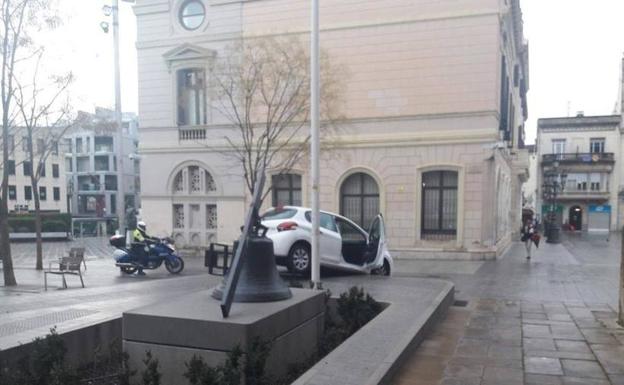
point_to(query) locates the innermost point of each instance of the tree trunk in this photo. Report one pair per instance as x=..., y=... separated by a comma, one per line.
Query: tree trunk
x=5, y=245
x=35, y=186
x=621, y=312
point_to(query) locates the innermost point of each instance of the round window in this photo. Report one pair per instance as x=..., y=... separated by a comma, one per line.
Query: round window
x=192, y=14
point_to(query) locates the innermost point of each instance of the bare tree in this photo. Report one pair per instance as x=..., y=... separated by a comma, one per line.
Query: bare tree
x=44, y=114
x=262, y=88
x=18, y=20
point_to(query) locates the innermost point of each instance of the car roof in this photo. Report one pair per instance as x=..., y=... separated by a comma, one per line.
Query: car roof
x=304, y=209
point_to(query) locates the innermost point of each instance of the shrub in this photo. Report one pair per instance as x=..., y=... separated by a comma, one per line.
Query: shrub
x=356, y=308
x=54, y=226
x=151, y=376
x=25, y=223
x=44, y=365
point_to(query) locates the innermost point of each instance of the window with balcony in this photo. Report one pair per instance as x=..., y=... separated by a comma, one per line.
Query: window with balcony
x=596, y=145
x=558, y=146
x=191, y=97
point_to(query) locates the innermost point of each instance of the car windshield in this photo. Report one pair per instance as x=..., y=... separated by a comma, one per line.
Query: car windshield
x=276, y=214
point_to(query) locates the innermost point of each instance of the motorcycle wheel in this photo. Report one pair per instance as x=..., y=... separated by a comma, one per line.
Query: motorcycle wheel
x=176, y=266
x=128, y=270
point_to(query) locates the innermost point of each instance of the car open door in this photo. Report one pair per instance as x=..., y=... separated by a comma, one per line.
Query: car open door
x=376, y=242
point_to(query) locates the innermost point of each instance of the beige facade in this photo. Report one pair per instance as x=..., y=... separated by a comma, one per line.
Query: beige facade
x=434, y=89
x=588, y=150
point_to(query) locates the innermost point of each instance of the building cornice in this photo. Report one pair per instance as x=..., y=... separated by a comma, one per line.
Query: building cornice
x=208, y=38
x=579, y=123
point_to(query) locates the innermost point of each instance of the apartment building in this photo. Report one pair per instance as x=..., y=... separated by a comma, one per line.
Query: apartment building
x=433, y=132
x=587, y=150
x=51, y=187
x=91, y=170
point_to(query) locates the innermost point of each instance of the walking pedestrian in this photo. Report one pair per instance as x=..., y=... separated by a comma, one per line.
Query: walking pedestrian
x=528, y=231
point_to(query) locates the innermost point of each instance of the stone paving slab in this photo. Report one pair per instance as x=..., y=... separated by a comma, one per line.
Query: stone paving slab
x=560, y=354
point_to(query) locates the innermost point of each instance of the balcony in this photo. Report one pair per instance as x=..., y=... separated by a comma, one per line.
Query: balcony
x=584, y=194
x=579, y=158
x=192, y=134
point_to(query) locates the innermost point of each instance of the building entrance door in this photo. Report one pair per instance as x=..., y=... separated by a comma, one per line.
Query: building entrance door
x=576, y=218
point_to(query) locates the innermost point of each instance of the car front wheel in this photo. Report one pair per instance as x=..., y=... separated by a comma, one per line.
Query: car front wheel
x=299, y=258
x=384, y=270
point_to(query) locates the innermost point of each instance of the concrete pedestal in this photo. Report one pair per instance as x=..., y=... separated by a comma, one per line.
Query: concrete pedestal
x=174, y=331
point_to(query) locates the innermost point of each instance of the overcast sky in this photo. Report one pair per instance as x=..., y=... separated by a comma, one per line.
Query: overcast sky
x=576, y=48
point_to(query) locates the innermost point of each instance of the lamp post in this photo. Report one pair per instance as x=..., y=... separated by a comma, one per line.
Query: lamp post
x=554, y=184
x=121, y=201
x=315, y=144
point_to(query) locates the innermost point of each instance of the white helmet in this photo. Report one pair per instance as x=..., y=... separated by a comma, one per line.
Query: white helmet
x=141, y=226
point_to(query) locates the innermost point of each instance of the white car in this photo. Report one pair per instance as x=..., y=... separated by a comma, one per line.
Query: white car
x=344, y=245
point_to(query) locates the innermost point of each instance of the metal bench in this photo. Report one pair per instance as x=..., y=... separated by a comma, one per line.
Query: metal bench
x=66, y=265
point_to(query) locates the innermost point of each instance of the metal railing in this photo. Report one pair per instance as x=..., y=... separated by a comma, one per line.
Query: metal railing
x=580, y=157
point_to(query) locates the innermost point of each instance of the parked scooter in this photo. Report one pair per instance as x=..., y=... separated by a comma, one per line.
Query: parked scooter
x=130, y=260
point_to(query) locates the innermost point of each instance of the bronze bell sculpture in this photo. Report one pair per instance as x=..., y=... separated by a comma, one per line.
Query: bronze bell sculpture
x=253, y=276
x=259, y=280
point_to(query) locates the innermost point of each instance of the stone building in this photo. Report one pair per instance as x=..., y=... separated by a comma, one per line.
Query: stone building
x=434, y=105
x=587, y=149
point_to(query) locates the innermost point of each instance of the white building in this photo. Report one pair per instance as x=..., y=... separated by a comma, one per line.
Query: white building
x=588, y=150
x=91, y=170
x=435, y=104
x=52, y=193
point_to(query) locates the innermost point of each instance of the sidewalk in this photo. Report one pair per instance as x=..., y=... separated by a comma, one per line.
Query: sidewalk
x=549, y=320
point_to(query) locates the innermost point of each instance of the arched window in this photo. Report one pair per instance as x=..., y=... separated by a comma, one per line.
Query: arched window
x=439, y=205
x=359, y=199
x=194, y=212
x=193, y=180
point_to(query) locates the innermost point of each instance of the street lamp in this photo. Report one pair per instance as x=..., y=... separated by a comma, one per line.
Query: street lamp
x=554, y=184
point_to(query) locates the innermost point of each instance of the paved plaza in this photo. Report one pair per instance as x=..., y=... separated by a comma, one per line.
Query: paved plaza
x=547, y=321
x=544, y=321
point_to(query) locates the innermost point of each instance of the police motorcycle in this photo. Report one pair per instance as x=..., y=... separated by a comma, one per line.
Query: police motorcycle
x=141, y=256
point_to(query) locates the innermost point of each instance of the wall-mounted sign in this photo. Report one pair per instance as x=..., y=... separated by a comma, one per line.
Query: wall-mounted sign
x=599, y=208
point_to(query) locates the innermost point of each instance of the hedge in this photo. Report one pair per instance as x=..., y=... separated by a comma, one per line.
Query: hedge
x=50, y=222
